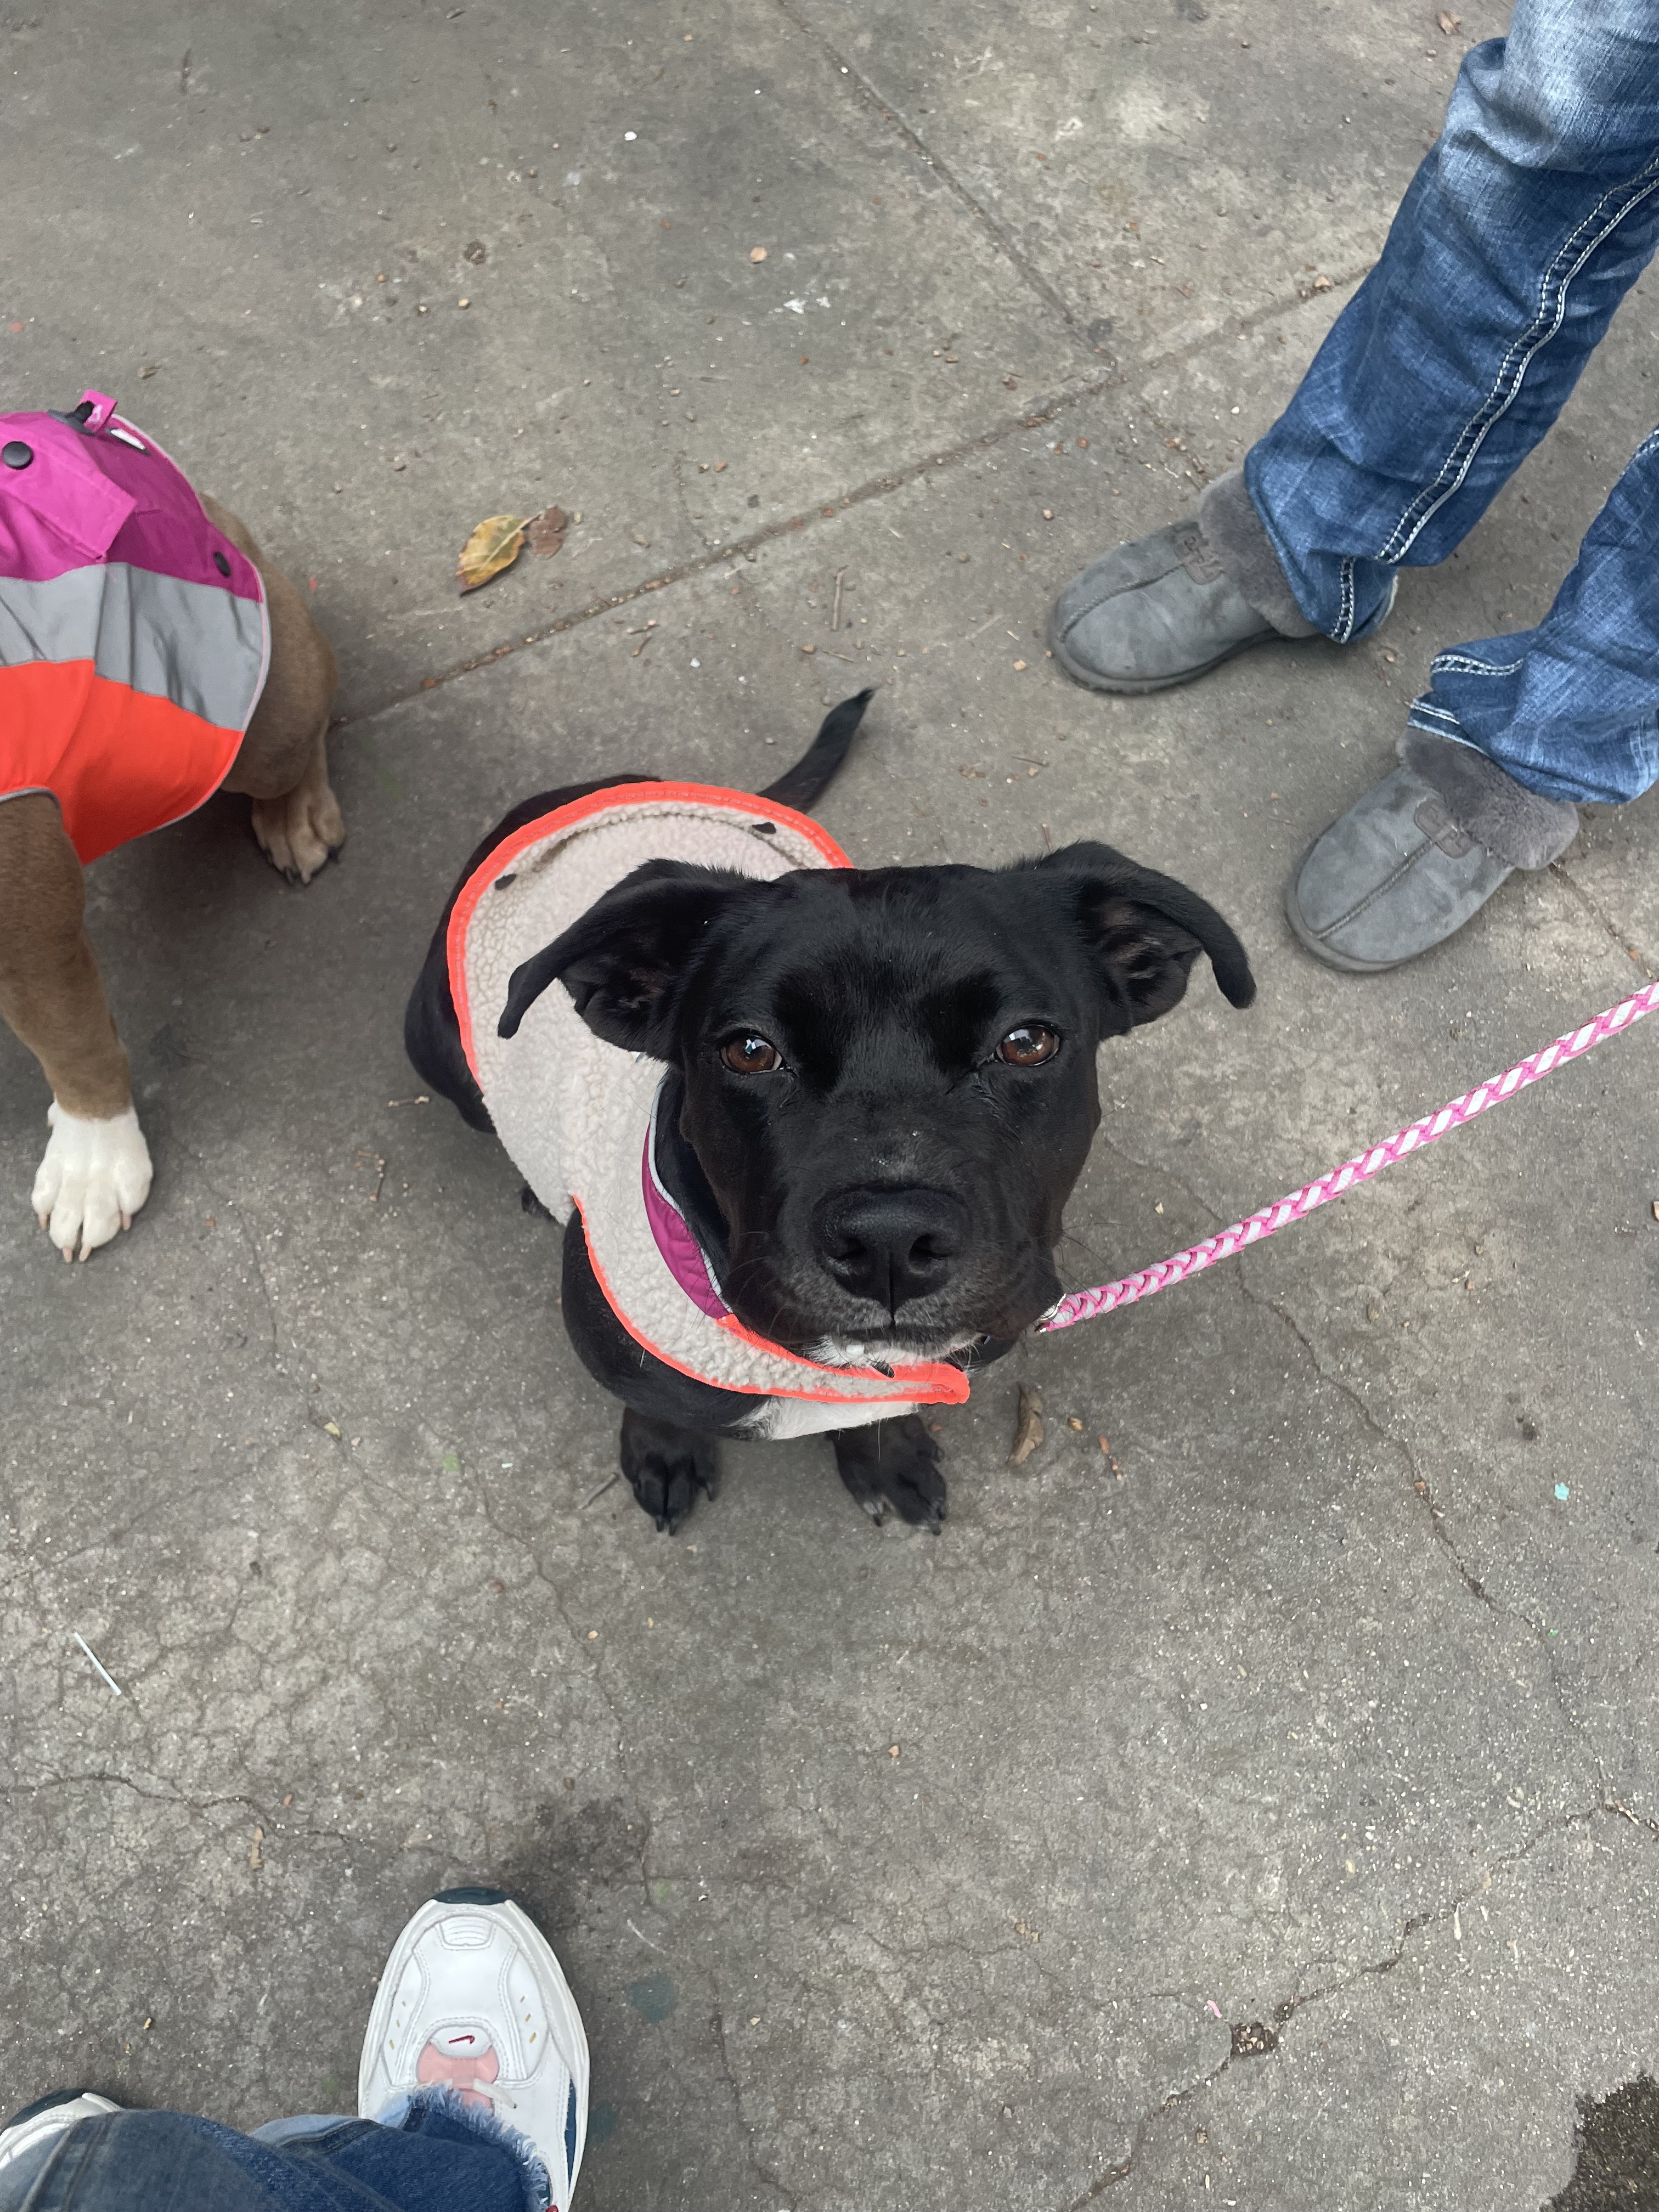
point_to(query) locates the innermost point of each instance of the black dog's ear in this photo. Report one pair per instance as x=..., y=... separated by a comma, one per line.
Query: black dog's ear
x=622, y=961
x=1143, y=932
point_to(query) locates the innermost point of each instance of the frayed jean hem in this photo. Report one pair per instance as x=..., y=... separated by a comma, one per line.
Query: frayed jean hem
x=414, y=2113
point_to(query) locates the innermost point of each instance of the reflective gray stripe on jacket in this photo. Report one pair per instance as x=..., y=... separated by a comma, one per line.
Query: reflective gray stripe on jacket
x=198, y=645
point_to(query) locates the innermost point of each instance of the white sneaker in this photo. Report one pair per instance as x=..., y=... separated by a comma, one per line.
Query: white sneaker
x=47, y=2117
x=474, y=1999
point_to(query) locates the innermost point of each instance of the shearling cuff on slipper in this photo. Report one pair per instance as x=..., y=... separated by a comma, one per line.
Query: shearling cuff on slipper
x=1232, y=529
x=1515, y=824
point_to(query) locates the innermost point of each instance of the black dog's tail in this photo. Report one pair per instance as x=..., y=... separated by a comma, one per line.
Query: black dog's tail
x=813, y=775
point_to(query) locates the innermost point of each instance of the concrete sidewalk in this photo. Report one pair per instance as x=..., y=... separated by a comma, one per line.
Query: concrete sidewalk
x=1260, y=1809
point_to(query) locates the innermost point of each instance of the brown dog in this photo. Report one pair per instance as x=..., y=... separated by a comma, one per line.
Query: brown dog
x=96, y=1172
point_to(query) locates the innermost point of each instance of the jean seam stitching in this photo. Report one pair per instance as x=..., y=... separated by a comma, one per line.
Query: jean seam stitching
x=1511, y=370
x=1459, y=664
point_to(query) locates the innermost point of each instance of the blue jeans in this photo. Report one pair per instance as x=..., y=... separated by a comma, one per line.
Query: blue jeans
x=443, y=2156
x=1533, y=214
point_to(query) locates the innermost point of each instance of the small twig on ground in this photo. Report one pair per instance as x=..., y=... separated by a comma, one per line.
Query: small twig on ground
x=98, y=1662
x=835, y=616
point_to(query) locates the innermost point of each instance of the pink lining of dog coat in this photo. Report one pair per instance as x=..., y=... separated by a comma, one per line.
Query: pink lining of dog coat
x=684, y=1257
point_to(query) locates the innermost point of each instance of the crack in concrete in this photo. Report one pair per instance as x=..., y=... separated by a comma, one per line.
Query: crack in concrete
x=1287, y=2007
x=1420, y=1489
x=288, y=1385
x=1419, y=1484
x=273, y=1823
x=684, y=503
x=1438, y=1522
x=1621, y=940
x=594, y=1675
x=717, y=2023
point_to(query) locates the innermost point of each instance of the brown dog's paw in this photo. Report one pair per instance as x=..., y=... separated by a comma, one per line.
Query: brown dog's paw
x=893, y=1467
x=300, y=831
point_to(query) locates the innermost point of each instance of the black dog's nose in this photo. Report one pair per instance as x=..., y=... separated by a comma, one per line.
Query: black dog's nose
x=891, y=1245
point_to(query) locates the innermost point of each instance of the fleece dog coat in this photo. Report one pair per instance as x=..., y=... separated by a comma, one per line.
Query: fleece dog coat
x=577, y=1115
x=134, y=641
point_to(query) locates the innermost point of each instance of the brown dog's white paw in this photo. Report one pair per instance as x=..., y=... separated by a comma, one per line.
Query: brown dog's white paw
x=300, y=831
x=94, y=1178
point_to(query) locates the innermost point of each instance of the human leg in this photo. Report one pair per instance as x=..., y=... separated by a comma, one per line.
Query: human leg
x=1570, y=709
x=175, y=2163
x=1535, y=213
x=1524, y=227
x=473, y=2097
x=1513, y=731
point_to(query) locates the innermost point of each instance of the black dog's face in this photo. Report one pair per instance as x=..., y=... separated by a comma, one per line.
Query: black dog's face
x=889, y=1074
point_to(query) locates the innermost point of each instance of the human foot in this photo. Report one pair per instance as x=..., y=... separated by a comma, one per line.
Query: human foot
x=1163, y=608
x=473, y=1999
x=1413, y=860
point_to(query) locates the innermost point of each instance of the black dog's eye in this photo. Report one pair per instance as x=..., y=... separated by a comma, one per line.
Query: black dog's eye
x=751, y=1055
x=1028, y=1046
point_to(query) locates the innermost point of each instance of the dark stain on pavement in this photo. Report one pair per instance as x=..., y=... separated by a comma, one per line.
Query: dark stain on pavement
x=654, y=1997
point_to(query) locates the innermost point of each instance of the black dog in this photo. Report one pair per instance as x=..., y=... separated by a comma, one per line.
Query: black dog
x=880, y=1090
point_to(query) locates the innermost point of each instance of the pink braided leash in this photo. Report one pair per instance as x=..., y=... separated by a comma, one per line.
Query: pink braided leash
x=1106, y=1297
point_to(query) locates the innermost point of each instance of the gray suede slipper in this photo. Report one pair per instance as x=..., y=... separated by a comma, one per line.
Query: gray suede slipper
x=1170, y=606
x=1153, y=613
x=1409, y=863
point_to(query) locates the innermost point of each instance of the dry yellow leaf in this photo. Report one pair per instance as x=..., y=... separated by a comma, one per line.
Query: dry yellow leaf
x=493, y=546
x=1028, y=1430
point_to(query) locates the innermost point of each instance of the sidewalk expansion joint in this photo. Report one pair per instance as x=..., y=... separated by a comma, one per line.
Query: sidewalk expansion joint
x=1620, y=937
x=1038, y=417
x=865, y=93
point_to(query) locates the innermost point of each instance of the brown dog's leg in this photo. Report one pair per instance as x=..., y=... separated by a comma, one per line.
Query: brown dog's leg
x=303, y=827
x=96, y=1172
x=283, y=762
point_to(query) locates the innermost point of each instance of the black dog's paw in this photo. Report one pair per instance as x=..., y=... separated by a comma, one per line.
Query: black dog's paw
x=668, y=1466
x=893, y=1465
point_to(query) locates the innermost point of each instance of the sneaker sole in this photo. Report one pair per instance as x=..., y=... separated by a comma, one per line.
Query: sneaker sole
x=1139, y=686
